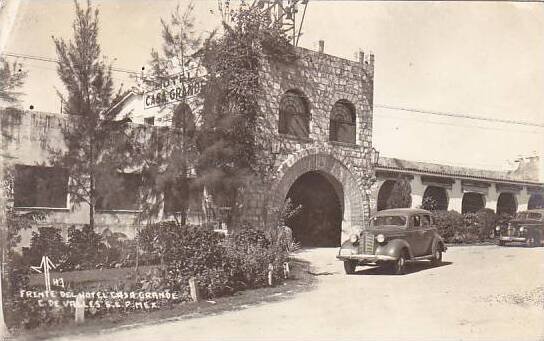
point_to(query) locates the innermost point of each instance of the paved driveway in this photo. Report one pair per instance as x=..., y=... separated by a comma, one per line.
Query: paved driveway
x=481, y=293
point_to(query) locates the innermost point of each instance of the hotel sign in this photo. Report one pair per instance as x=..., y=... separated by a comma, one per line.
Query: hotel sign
x=176, y=88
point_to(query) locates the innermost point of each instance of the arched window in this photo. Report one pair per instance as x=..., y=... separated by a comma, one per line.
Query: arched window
x=294, y=114
x=506, y=203
x=535, y=201
x=472, y=202
x=342, y=126
x=435, y=198
x=183, y=117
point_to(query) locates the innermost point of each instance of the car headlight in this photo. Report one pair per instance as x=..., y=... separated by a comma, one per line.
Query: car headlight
x=380, y=238
x=354, y=238
x=498, y=228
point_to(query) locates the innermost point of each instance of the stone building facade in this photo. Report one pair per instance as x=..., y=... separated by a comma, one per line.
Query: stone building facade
x=335, y=155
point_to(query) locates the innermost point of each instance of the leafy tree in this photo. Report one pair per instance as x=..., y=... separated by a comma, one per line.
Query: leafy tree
x=231, y=140
x=400, y=194
x=12, y=79
x=166, y=155
x=12, y=273
x=94, y=136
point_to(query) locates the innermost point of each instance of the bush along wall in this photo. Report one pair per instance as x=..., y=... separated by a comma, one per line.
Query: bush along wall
x=455, y=227
x=219, y=265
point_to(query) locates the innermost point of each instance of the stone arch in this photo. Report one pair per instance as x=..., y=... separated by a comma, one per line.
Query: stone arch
x=340, y=174
x=319, y=220
x=536, y=200
x=472, y=202
x=438, y=195
x=506, y=203
x=383, y=194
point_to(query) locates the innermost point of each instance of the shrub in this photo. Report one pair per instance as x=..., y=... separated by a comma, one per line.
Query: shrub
x=450, y=225
x=26, y=313
x=46, y=242
x=85, y=249
x=221, y=266
x=120, y=251
x=487, y=220
x=469, y=232
x=251, y=252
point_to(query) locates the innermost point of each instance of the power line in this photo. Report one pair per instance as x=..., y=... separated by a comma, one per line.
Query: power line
x=51, y=60
x=386, y=116
x=459, y=115
x=383, y=106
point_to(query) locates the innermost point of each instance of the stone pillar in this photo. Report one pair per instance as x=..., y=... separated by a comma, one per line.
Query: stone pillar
x=418, y=189
x=455, y=196
x=374, y=191
x=522, y=198
x=492, y=197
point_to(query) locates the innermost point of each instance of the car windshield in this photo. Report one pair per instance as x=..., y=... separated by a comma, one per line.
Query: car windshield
x=393, y=220
x=529, y=215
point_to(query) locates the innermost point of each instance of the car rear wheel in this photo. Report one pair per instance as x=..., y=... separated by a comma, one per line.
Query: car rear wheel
x=437, y=257
x=537, y=240
x=349, y=267
x=533, y=240
x=400, y=264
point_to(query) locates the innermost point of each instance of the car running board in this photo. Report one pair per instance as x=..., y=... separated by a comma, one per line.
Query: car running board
x=422, y=257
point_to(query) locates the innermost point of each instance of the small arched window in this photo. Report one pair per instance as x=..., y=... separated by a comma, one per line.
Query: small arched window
x=183, y=116
x=342, y=127
x=183, y=119
x=294, y=114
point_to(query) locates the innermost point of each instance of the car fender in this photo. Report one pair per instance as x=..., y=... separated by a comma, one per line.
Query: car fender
x=348, y=245
x=393, y=248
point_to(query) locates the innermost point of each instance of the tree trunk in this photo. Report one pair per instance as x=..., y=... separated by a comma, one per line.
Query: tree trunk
x=92, y=199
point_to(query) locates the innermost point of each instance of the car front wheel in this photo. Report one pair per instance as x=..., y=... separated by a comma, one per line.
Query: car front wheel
x=349, y=267
x=399, y=265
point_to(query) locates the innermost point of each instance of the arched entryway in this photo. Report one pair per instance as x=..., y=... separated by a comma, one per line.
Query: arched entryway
x=535, y=201
x=506, y=204
x=319, y=220
x=326, y=172
x=472, y=202
x=436, y=197
x=384, y=193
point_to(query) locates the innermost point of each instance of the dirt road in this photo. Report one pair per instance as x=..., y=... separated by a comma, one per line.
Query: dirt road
x=481, y=292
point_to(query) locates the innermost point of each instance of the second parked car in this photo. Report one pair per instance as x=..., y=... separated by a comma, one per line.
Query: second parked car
x=527, y=227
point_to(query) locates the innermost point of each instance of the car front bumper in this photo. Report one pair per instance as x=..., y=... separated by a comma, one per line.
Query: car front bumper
x=365, y=258
x=512, y=239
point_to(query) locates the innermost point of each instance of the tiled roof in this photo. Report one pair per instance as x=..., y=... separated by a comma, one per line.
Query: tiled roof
x=446, y=170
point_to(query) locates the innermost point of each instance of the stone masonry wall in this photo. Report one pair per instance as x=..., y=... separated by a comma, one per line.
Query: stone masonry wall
x=323, y=79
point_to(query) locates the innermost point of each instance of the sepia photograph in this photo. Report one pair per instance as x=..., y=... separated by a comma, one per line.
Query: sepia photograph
x=271, y=170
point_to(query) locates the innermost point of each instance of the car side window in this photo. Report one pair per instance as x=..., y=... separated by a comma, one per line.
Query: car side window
x=416, y=222
x=425, y=220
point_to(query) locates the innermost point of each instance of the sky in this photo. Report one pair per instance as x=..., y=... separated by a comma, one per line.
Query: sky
x=478, y=58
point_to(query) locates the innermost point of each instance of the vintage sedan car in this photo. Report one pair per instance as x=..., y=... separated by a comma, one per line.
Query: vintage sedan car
x=394, y=237
x=526, y=227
